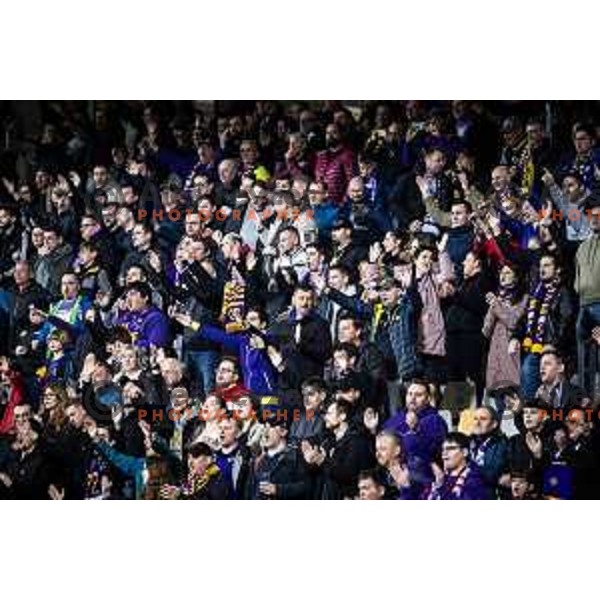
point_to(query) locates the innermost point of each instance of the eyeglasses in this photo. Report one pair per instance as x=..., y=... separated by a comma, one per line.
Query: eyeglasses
x=449, y=448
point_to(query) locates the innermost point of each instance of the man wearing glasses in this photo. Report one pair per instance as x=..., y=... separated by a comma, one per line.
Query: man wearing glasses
x=460, y=478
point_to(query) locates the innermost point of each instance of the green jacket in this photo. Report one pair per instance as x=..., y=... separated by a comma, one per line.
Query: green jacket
x=587, y=278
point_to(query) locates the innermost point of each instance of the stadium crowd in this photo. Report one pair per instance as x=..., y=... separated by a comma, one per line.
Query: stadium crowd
x=300, y=300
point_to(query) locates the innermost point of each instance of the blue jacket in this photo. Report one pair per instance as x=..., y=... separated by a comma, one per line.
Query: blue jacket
x=130, y=466
x=460, y=242
x=325, y=216
x=396, y=338
x=490, y=454
x=257, y=370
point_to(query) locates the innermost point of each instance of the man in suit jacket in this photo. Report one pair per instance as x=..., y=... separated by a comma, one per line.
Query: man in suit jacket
x=556, y=391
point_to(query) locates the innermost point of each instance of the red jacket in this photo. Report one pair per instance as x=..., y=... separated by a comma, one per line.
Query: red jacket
x=232, y=393
x=16, y=397
x=336, y=169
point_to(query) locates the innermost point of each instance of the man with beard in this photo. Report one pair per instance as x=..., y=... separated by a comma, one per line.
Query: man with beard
x=419, y=426
x=371, y=221
x=335, y=165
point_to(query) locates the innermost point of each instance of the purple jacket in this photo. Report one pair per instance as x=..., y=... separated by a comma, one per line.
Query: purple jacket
x=148, y=328
x=257, y=370
x=425, y=443
x=468, y=485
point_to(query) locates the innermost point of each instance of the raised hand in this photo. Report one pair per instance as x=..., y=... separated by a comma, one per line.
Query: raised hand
x=411, y=419
x=371, y=419
x=375, y=252
x=275, y=356
x=251, y=261
x=56, y=493
x=534, y=443
x=438, y=474
x=169, y=492
x=490, y=298
x=184, y=319
x=154, y=261
x=267, y=489
x=90, y=427
x=443, y=243
x=548, y=178
x=75, y=179
x=89, y=364
x=9, y=185
x=400, y=475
